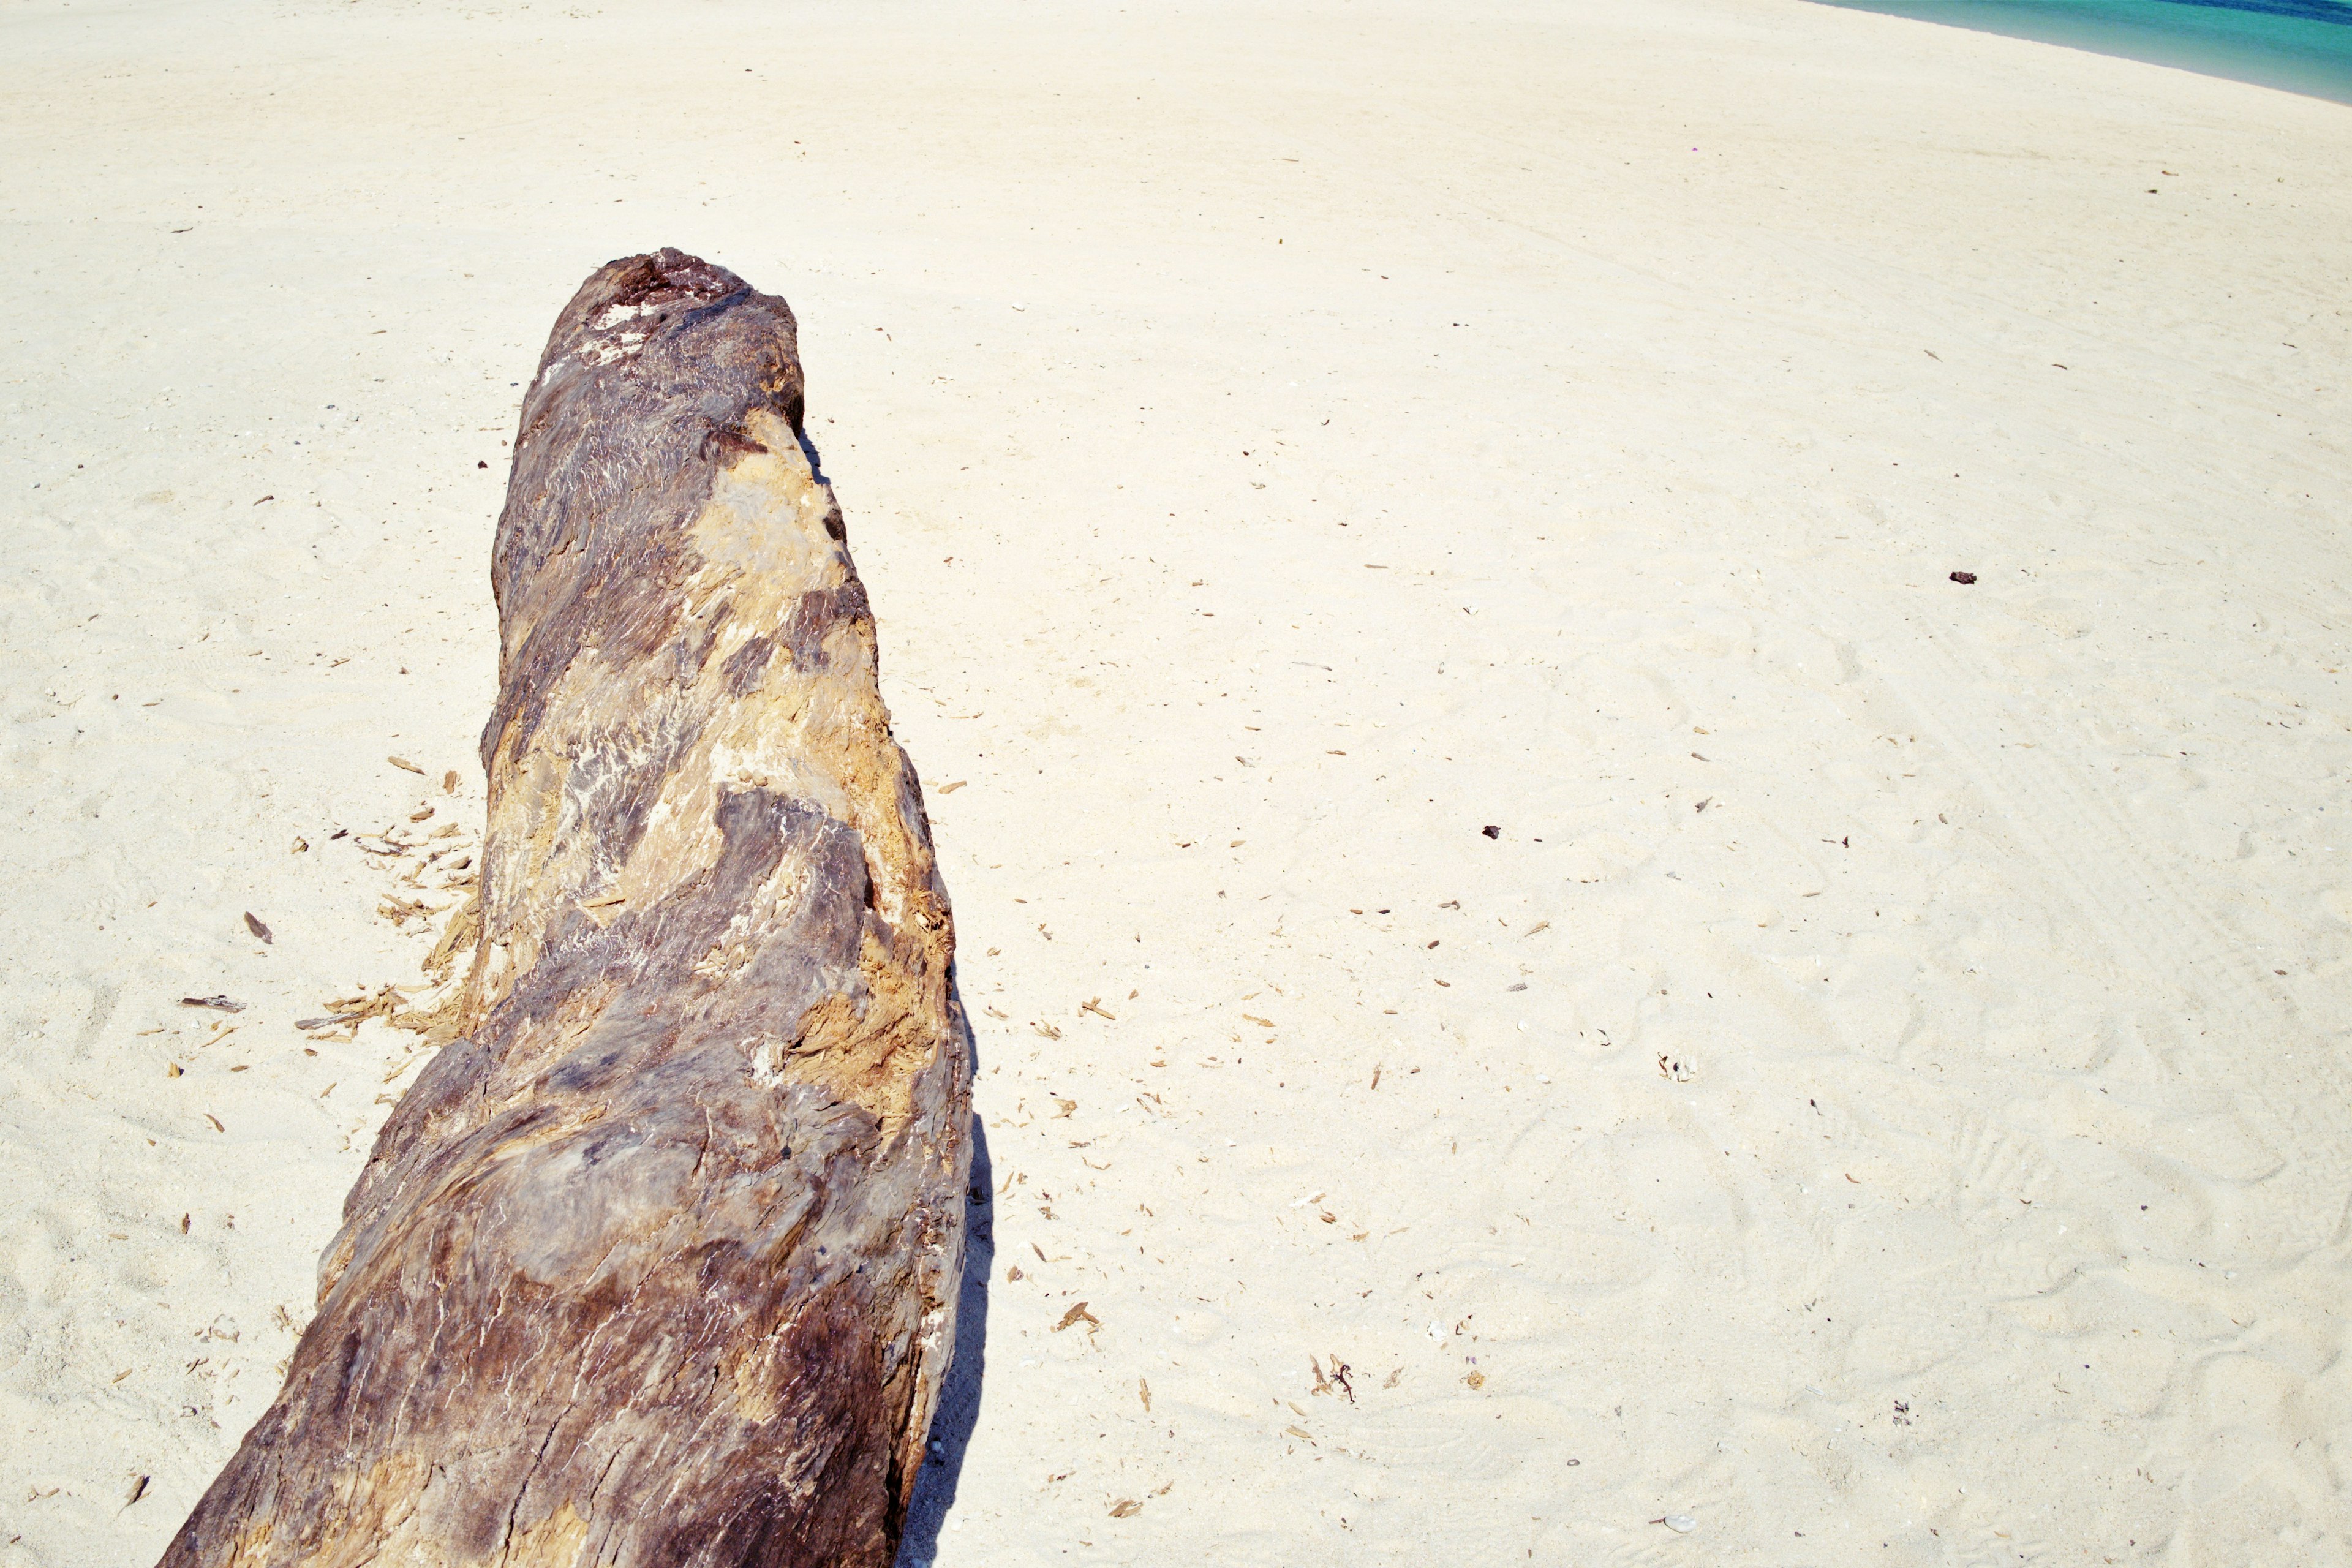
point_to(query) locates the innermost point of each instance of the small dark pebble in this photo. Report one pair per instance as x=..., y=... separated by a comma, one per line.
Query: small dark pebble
x=1964, y=577
x=1491, y=831
x=253, y=923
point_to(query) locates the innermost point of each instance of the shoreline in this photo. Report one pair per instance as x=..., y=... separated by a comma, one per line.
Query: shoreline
x=2308, y=57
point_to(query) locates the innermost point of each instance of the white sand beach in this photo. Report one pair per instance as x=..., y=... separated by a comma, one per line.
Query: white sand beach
x=1412, y=554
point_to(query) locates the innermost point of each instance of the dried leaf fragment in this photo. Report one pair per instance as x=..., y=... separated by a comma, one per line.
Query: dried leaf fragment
x=1143, y=1387
x=382, y=1003
x=400, y=910
x=1077, y=1314
x=449, y=782
x=405, y=764
x=216, y=1121
x=1125, y=1508
x=253, y=923
x=218, y=1004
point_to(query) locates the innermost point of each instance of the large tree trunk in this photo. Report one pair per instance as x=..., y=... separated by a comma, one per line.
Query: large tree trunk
x=657, y=1263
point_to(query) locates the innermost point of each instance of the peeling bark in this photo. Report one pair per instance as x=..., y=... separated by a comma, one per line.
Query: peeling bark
x=658, y=1262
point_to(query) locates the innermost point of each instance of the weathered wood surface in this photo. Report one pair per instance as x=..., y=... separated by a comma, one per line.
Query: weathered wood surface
x=657, y=1264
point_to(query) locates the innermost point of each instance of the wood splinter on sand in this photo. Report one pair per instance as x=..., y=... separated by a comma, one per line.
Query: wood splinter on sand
x=657, y=1263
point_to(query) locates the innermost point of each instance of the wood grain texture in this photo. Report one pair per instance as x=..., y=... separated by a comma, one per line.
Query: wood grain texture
x=658, y=1262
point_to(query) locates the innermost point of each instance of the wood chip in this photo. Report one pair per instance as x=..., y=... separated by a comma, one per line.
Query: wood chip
x=1143, y=1387
x=219, y=1003
x=1077, y=1314
x=1125, y=1508
x=449, y=782
x=216, y=1121
x=405, y=765
x=950, y=789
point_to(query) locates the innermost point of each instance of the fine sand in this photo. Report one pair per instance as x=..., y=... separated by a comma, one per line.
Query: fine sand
x=1877, y=1086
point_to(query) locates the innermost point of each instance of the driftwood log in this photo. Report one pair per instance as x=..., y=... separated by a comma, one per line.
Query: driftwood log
x=656, y=1263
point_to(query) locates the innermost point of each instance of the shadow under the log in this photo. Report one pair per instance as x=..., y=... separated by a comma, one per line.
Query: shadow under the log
x=958, y=1407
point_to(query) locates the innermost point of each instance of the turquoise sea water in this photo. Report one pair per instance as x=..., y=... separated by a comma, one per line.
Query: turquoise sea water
x=2301, y=46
